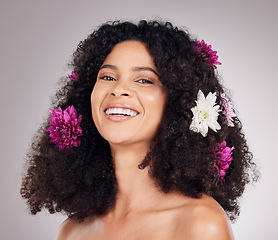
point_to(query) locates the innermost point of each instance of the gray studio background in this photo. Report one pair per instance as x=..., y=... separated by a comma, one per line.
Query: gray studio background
x=37, y=39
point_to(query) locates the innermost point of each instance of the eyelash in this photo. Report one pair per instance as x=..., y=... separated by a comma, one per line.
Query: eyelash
x=143, y=81
x=107, y=78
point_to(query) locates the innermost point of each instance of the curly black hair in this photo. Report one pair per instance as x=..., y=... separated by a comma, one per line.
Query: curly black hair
x=82, y=182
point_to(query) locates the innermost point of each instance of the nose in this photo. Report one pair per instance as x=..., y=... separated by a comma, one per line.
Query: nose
x=121, y=89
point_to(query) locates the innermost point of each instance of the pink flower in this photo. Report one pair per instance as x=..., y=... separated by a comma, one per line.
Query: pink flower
x=223, y=158
x=228, y=110
x=73, y=76
x=206, y=53
x=65, y=131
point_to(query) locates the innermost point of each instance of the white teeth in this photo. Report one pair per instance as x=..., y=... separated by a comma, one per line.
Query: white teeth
x=120, y=111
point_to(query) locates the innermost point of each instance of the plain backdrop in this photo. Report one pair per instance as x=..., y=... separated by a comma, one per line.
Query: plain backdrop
x=38, y=38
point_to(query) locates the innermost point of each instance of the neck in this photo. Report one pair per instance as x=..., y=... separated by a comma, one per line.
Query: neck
x=135, y=187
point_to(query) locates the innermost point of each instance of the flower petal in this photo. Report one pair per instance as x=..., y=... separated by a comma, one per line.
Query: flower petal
x=205, y=114
x=225, y=154
x=65, y=131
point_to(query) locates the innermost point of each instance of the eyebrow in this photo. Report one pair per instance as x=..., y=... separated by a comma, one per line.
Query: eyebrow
x=144, y=69
x=133, y=69
x=108, y=66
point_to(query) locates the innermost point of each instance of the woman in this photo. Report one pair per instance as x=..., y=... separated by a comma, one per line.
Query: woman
x=142, y=141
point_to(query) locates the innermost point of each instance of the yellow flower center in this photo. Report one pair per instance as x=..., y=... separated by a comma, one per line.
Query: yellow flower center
x=203, y=115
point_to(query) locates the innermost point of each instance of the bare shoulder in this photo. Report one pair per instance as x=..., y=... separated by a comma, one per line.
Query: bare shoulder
x=67, y=229
x=71, y=229
x=204, y=219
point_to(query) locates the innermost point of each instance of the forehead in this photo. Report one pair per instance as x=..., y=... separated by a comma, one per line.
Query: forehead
x=130, y=53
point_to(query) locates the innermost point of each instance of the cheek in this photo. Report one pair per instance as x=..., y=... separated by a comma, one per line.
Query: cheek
x=156, y=100
x=95, y=101
x=93, y=98
x=154, y=105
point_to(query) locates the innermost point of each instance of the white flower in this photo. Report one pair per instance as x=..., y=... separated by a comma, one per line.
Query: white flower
x=205, y=114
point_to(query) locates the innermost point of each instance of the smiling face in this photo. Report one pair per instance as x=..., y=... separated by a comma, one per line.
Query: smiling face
x=128, y=98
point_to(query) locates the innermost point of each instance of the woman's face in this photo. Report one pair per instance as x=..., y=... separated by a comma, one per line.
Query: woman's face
x=128, y=98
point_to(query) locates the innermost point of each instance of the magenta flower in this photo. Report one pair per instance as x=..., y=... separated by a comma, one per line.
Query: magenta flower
x=65, y=131
x=73, y=76
x=206, y=53
x=223, y=158
x=228, y=110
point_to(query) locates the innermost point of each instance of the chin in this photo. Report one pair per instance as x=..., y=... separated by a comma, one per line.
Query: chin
x=120, y=139
x=117, y=138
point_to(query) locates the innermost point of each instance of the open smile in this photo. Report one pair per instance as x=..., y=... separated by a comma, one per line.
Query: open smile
x=120, y=112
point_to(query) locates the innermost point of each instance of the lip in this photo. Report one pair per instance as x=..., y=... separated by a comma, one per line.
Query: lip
x=119, y=118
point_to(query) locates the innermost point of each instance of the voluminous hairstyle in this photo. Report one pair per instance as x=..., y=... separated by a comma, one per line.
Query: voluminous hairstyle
x=82, y=182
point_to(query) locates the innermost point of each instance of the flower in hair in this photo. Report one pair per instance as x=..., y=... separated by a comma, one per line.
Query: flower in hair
x=205, y=114
x=73, y=76
x=228, y=109
x=223, y=158
x=65, y=131
x=206, y=53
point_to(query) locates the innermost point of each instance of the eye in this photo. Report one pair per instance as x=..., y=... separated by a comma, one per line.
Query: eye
x=145, y=81
x=107, y=78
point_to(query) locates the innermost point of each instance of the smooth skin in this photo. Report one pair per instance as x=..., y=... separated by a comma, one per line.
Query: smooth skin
x=128, y=78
